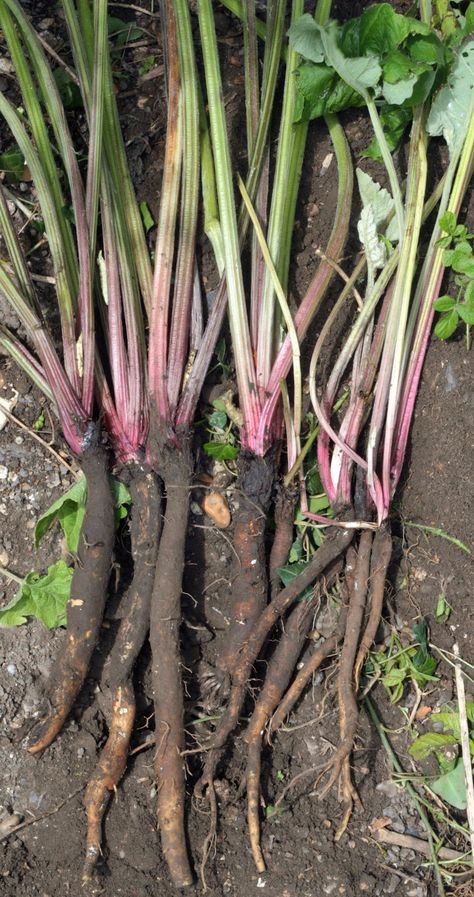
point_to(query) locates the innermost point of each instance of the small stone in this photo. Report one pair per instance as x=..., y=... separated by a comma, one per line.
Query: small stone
x=19, y=440
x=12, y=669
x=3, y=472
x=4, y=558
x=367, y=883
x=195, y=509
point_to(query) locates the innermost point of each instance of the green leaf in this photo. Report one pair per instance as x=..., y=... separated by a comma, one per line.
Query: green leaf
x=450, y=115
x=69, y=510
x=422, y=660
x=122, y=499
x=218, y=420
x=322, y=91
x=146, y=65
x=69, y=91
x=288, y=573
x=222, y=451
x=447, y=222
x=444, y=303
x=466, y=313
x=447, y=325
x=296, y=551
x=394, y=121
x=378, y=30
x=12, y=163
x=147, y=217
x=451, y=787
x=305, y=38
x=443, y=609
x=425, y=744
x=42, y=597
x=123, y=32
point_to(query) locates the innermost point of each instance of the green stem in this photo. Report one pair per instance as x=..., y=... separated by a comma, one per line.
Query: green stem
x=388, y=162
x=235, y=286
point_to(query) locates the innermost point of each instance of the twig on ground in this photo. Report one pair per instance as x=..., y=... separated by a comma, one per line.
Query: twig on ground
x=466, y=754
x=76, y=474
x=387, y=836
x=56, y=809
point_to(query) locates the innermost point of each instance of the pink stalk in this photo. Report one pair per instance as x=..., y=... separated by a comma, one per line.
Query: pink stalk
x=158, y=353
x=115, y=337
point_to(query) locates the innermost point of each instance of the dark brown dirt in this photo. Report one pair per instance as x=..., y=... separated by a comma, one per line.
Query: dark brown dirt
x=46, y=858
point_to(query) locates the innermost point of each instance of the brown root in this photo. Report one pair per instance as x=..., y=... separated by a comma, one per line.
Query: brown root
x=108, y=772
x=381, y=554
x=347, y=700
x=312, y=664
x=165, y=621
x=278, y=675
x=335, y=545
x=86, y=604
x=250, y=583
x=145, y=530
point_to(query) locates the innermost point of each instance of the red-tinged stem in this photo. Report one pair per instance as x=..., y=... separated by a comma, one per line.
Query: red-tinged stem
x=158, y=352
x=115, y=337
x=123, y=448
x=355, y=416
x=189, y=198
x=318, y=286
x=25, y=360
x=197, y=323
x=193, y=386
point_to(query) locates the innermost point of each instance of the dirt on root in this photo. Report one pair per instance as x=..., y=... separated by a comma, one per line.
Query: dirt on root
x=46, y=857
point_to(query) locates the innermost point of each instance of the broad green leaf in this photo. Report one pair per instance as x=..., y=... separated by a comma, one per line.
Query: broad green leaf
x=69, y=510
x=426, y=48
x=444, y=303
x=451, y=787
x=399, y=93
x=450, y=110
x=360, y=72
x=305, y=38
x=425, y=744
x=221, y=451
x=378, y=30
x=446, y=325
x=42, y=597
x=322, y=91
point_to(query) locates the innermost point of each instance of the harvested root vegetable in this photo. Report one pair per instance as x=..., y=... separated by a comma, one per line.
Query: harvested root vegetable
x=250, y=581
x=334, y=546
x=165, y=622
x=86, y=605
x=145, y=532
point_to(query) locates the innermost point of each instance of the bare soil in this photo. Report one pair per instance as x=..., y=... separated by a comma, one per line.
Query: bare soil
x=46, y=858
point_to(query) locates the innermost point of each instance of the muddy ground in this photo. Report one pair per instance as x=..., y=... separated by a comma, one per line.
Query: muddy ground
x=45, y=858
